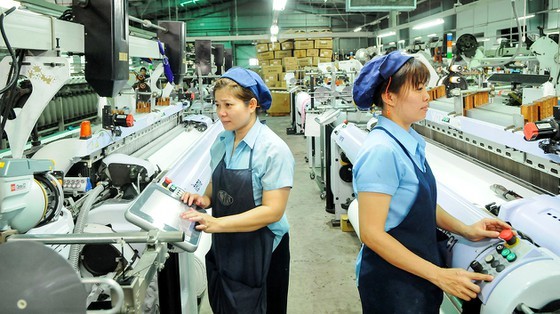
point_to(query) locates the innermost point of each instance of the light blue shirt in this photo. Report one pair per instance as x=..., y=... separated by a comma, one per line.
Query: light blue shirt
x=273, y=164
x=383, y=167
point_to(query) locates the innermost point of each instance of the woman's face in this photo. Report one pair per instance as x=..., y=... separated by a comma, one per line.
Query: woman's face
x=411, y=104
x=232, y=111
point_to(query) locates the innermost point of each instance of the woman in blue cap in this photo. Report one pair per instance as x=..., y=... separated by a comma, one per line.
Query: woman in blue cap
x=399, y=268
x=253, y=169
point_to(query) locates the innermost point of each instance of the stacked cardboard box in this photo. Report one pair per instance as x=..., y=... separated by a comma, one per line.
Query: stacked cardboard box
x=291, y=56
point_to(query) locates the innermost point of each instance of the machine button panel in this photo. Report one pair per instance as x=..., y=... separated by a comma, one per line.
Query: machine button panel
x=505, y=252
x=76, y=184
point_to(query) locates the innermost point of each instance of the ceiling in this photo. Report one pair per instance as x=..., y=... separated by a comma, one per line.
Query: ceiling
x=335, y=10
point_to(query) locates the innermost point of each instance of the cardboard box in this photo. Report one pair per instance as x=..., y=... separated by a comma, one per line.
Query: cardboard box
x=272, y=69
x=289, y=60
x=307, y=61
x=273, y=46
x=325, y=53
x=280, y=103
x=287, y=45
x=264, y=62
x=312, y=52
x=275, y=62
x=270, y=79
x=262, y=47
x=323, y=43
x=269, y=55
x=300, y=53
x=291, y=67
x=282, y=54
x=304, y=44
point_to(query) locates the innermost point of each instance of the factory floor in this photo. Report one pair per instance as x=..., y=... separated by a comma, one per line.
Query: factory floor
x=322, y=277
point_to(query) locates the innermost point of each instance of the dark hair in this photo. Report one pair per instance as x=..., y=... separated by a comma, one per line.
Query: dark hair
x=143, y=68
x=237, y=90
x=411, y=75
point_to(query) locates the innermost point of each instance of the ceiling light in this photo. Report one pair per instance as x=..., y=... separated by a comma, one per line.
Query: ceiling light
x=183, y=3
x=401, y=41
x=417, y=38
x=386, y=34
x=357, y=29
x=526, y=17
x=429, y=24
x=391, y=43
x=279, y=5
x=482, y=39
x=431, y=35
x=274, y=29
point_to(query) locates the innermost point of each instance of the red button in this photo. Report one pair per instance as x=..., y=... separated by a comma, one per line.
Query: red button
x=506, y=234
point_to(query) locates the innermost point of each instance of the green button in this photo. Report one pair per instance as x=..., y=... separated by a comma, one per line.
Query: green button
x=511, y=257
x=505, y=252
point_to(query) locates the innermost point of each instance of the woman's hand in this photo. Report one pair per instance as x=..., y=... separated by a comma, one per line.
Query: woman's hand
x=485, y=228
x=197, y=199
x=205, y=222
x=459, y=282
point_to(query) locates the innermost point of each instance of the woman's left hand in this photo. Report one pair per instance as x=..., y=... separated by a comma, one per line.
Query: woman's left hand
x=485, y=228
x=206, y=222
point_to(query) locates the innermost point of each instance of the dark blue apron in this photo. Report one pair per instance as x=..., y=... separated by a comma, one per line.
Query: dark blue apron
x=237, y=263
x=385, y=288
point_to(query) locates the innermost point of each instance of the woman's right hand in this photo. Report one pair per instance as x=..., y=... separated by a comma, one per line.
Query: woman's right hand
x=459, y=282
x=202, y=201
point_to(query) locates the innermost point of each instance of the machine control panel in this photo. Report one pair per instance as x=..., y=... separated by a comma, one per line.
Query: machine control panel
x=78, y=184
x=502, y=258
x=159, y=207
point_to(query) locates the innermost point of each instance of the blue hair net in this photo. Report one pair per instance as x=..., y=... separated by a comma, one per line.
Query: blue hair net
x=252, y=81
x=373, y=74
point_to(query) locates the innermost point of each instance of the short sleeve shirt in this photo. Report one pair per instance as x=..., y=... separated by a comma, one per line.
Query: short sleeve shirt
x=383, y=167
x=273, y=164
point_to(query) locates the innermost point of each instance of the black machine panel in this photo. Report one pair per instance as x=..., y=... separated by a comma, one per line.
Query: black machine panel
x=174, y=40
x=228, y=59
x=202, y=51
x=106, y=43
x=218, y=52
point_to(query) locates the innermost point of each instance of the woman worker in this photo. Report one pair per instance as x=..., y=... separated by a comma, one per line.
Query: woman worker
x=253, y=170
x=399, y=268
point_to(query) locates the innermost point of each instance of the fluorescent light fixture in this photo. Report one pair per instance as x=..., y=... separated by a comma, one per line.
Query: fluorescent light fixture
x=417, y=38
x=274, y=29
x=273, y=38
x=526, y=17
x=391, y=43
x=429, y=24
x=279, y=5
x=557, y=10
x=401, y=41
x=184, y=3
x=357, y=29
x=386, y=34
x=483, y=39
x=431, y=35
